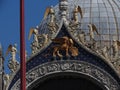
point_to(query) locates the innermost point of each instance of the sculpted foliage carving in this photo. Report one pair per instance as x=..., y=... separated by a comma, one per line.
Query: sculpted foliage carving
x=70, y=66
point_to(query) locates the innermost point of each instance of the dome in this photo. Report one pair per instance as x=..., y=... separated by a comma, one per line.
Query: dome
x=76, y=36
x=104, y=14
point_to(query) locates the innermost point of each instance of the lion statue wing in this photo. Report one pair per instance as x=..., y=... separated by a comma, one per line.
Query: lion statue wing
x=60, y=40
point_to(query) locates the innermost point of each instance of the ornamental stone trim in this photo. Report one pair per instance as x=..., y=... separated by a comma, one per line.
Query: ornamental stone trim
x=69, y=66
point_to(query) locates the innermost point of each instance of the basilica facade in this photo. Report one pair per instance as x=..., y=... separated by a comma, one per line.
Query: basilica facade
x=75, y=47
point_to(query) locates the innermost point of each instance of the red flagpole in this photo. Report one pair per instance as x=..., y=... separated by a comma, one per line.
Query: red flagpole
x=22, y=48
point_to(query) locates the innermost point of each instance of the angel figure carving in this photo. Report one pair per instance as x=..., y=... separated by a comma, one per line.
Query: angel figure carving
x=75, y=22
x=12, y=50
x=75, y=13
x=13, y=64
x=92, y=30
x=34, y=31
x=81, y=37
x=52, y=26
x=35, y=43
x=64, y=44
x=115, y=48
x=43, y=39
x=6, y=79
x=104, y=52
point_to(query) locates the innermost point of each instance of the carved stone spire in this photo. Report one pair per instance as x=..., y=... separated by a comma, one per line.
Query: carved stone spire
x=63, y=6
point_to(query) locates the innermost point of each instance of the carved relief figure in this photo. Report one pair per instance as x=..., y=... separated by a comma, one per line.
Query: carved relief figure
x=34, y=31
x=13, y=64
x=46, y=39
x=33, y=48
x=75, y=13
x=52, y=26
x=31, y=77
x=13, y=50
x=115, y=48
x=6, y=79
x=64, y=44
x=104, y=52
x=92, y=29
x=75, y=22
x=35, y=43
x=43, y=39
x=116, y=59
x=81, y=37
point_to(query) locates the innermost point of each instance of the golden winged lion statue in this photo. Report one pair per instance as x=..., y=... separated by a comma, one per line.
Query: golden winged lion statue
x=64, y=44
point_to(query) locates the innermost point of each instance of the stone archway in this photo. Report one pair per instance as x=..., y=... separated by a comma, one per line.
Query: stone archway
x=67, y=81
x=85, y=70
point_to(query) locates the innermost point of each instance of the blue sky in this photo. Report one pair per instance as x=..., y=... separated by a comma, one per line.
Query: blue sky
x=10, y=21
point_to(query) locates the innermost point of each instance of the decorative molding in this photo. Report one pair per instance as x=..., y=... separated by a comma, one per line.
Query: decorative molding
x=72, y=66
